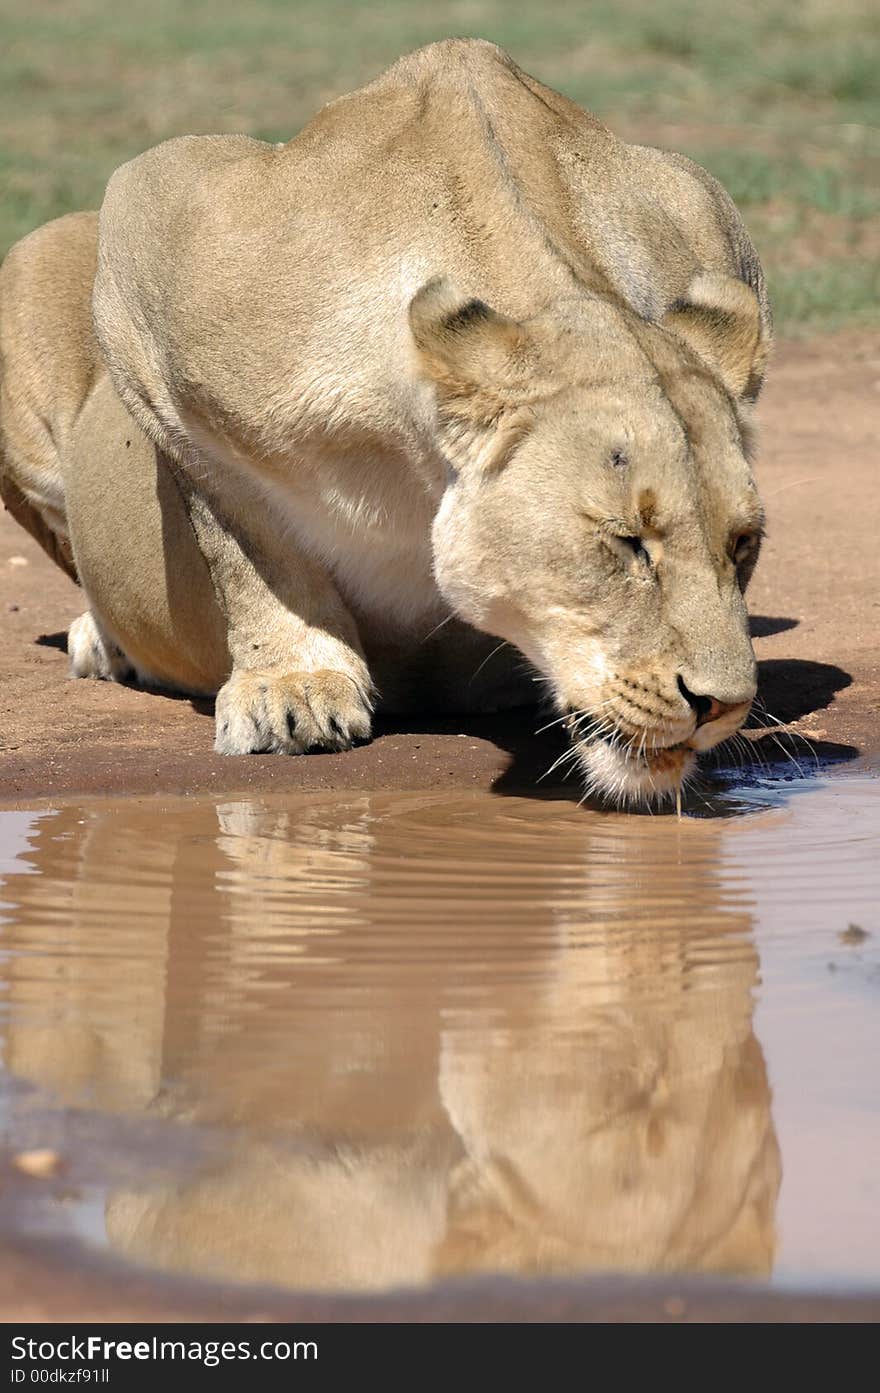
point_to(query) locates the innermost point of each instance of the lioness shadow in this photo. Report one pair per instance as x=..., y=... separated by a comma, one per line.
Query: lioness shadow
x=203, y=706
x=58, y=641
x=788, y=688
x=534, y=741
x=764, y=625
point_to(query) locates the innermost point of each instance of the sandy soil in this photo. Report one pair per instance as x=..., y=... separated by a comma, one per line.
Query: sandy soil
x=815, y=598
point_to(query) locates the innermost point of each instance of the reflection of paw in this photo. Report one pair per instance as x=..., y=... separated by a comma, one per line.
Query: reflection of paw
x=92, y=654
x=240, y=819
x=290, y=713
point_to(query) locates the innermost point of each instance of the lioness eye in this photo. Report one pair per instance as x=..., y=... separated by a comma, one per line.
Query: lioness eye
x=742, y=546
x=637, y=547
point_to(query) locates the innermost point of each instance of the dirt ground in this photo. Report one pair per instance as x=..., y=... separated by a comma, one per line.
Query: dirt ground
x=815, y=601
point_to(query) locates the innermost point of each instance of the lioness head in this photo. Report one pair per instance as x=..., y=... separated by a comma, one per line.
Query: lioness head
x=601, y=513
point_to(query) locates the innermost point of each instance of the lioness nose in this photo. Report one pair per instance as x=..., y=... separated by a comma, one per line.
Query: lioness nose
x=706, y=708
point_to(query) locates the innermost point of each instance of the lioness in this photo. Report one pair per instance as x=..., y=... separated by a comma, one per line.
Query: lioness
x=453, y=362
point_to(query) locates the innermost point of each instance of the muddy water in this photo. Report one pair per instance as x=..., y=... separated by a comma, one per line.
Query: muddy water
x=354, y=1041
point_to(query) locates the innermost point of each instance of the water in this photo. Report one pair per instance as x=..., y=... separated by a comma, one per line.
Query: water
x=346, y=1042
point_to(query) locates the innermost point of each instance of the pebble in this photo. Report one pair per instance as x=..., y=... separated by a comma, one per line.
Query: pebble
x=41, y=1164
x=675, y=1307
x=853, y=934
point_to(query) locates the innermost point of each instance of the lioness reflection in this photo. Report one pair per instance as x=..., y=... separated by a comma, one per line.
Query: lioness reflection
x=440, y=1035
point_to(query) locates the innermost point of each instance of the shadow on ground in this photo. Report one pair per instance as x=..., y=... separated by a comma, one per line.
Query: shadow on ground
x=788, y=690
x=58, y=641
x=764, y=626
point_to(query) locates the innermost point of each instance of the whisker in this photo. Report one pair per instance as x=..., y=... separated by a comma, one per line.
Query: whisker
x=568, y=716
x=785, y=729
x=793, y=484
x=575, y=716
x=436, y=629
x=790, y=757
x=488, y=659
x=570, y=754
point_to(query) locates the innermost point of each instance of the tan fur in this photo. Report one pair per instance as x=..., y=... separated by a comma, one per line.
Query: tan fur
x=417, y=365
x=48, y=363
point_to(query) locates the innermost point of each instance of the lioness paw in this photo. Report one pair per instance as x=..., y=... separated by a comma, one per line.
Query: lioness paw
x=93, y=654
x=290, y=713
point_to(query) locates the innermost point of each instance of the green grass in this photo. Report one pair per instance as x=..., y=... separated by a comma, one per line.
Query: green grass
x=833, y=295
x=780, y=100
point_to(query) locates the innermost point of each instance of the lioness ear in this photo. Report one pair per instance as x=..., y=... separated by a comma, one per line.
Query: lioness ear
x=722, y=321
x=477, y=359
x=484, y=369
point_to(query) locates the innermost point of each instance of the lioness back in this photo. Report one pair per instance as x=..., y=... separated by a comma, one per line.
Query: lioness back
x=453, y=161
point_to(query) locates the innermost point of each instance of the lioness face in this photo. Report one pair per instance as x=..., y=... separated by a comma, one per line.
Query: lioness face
x=613, y=551
x=608, y=530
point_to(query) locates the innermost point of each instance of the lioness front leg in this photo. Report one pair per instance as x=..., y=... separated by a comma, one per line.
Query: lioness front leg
x=299, y=681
